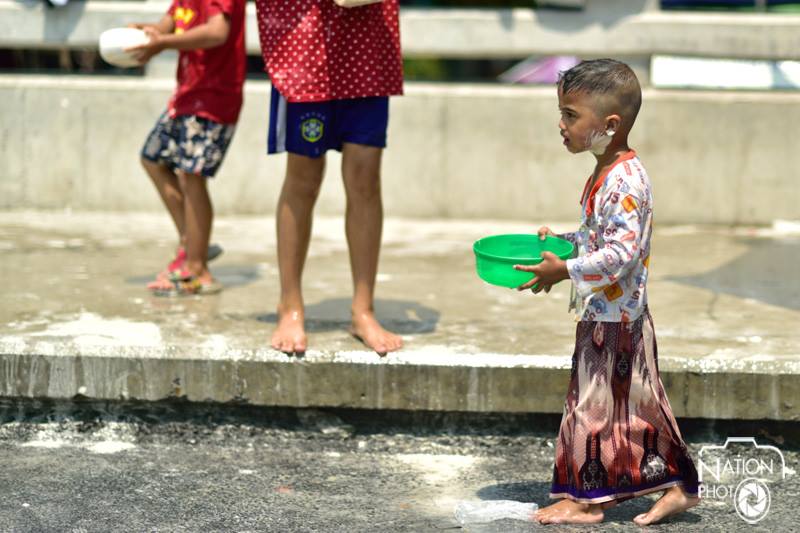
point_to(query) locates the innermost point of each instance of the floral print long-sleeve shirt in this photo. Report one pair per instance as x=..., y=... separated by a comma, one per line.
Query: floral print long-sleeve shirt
x=609, y=275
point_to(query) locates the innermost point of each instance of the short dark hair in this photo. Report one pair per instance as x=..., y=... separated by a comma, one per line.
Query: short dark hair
x=605, y=77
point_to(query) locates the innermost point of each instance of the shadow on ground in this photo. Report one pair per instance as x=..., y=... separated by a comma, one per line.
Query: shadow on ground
x=525, y=491
x=229, y=275
x=538, y=492
x=766, y=272
x=404, y=317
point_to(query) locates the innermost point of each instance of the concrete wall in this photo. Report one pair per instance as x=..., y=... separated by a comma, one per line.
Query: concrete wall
x=605, y=28
x=455, y=151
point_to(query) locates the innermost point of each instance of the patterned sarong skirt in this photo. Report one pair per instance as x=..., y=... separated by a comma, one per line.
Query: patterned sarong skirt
x=618, y=437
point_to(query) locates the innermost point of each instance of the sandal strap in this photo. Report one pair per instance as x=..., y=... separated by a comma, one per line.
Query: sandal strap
x=191, y=285
x=180, y=275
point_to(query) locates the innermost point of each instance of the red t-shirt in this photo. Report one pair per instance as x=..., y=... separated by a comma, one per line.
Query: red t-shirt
x=315, y=50
x=210, y=80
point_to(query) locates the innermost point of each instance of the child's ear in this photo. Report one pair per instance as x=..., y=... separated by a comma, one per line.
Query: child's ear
x=613, y=122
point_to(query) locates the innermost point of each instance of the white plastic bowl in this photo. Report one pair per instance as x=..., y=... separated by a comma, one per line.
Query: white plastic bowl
x=113, y=43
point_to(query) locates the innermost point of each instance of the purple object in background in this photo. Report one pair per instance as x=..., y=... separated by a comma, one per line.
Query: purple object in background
x=538, y=70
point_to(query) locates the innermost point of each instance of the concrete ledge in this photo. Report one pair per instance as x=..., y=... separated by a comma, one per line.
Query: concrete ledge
x=421, y=380
x=455, y=151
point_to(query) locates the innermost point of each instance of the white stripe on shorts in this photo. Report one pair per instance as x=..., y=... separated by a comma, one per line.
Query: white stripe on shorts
x=280, y=125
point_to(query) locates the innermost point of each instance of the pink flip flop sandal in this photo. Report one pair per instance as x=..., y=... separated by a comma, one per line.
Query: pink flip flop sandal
x=183, y=284
x=179, y=261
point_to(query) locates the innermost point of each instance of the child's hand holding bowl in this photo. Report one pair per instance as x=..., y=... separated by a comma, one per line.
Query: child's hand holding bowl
x=546, y=274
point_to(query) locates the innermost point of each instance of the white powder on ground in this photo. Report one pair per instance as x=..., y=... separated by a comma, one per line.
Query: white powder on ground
x=47, y=443
x=112, y=437
x=92, y=329
x=442, y=488
x=109, y=446
x=438, y=468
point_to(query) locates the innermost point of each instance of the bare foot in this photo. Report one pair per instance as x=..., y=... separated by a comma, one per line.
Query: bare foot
x=609, y=504
x=290, y=334
x=570, y=512
x=185, y=283
x=367, y=329
x=673, y=501
x=160, y=284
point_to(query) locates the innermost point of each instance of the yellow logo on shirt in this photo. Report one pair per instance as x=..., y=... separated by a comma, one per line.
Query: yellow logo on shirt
x=613, y=292
x=182, y=17
x=629, y=203
x=312, y=129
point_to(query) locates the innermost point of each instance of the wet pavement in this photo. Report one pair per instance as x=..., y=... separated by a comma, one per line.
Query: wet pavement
x=77, y=318
x=297, y=471
x=714, y=292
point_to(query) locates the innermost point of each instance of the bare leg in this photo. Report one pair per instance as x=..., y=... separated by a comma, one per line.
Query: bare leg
x=673, y=501
x=294, y=218
x=169, y=189
x=199, y=215
x=363, y=225
x=570, y=512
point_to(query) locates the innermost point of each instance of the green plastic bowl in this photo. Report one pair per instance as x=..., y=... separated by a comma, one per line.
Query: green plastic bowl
x=496, y=256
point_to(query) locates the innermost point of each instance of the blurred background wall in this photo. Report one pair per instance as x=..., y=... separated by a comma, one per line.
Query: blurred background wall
x=476, y=134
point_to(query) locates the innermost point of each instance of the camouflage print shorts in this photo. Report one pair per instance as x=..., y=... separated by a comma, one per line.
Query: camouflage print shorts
x=190, y=143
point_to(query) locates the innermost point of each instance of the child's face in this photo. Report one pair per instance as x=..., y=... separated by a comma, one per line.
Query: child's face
x=582, y=128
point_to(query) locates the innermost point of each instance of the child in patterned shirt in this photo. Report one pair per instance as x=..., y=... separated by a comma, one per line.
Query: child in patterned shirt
x=618, y=437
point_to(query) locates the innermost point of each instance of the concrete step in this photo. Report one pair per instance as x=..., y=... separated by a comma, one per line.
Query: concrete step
x=76, y=319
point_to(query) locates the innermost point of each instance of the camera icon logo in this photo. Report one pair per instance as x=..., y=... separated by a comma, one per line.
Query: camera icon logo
x=752, y=500
x=739, y=472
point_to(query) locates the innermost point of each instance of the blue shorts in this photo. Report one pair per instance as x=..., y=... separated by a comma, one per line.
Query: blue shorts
x=313, y=128
x=193, y=144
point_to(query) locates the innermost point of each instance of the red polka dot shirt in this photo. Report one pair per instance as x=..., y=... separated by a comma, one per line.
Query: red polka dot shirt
x=315, y=50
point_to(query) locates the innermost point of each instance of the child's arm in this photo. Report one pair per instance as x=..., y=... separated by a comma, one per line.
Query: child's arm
x=209, y=35
x=571, y=236
x=547, y=273
x=165, y=25
x=551, y=270
x=622, y=235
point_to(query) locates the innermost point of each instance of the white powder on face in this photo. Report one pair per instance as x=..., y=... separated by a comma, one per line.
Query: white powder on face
x=598, y=141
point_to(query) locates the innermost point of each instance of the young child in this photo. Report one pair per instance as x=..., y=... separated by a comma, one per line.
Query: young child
x=618, y=437
x=189, y=140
